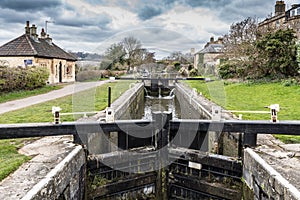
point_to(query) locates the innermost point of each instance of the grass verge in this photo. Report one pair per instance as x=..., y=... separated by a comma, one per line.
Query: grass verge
x=10, y=159
x=4, y=97
x=89, y=100
x=253, y=97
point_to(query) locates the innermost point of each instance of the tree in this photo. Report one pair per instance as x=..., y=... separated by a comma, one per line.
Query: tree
x=113, y=55
x=278, y=50
x=132, y=47
x=239, y=46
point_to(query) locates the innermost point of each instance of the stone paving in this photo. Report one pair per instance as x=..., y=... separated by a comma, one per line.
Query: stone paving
x=284, y=158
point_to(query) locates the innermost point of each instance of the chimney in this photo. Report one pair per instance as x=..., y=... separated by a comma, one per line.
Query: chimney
x=33, y=32
x=43, y=34
x=48, y=39
x=279, y=8
x=27, y=28
x=212, y=39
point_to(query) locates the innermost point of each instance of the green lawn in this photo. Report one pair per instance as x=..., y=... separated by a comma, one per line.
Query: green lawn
x=4, y=97
x=89, y=100
x=243, y=96
x=10, y=160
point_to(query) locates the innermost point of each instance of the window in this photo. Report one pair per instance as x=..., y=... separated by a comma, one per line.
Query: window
x=69, y=70
x=277, y=24
x=293, y=13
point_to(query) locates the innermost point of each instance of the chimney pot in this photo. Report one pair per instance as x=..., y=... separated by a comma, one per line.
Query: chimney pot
x=27, y=28
x=43, y=33
x=33, y=32
x=279, y=8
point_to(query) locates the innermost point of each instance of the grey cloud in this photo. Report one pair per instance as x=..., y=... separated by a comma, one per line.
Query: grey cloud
x=81, y=21
x=33, y=5
x=148, y=12
x=208, y=3
x=239, y=10
x=14, y=17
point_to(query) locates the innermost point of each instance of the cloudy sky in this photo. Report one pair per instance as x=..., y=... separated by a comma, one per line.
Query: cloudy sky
x=163, y=26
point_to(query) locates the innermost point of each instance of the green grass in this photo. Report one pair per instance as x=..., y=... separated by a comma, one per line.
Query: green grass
x=4, y=97
x=89, y=100
x=10, y=159
x=253, y=97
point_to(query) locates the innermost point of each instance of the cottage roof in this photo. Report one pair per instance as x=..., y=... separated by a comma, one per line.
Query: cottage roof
x=25, y=45
x=213, y=48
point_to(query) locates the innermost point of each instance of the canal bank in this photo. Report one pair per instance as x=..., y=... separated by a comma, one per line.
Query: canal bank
x=189, y=168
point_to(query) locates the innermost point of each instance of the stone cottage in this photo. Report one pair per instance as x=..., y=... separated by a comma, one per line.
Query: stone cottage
x=31, y=50
x=208, y=58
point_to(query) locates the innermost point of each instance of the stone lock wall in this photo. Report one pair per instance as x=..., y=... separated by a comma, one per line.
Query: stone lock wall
x=264, y=181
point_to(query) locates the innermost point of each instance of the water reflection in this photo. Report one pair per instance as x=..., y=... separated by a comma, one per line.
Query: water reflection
x=161, y=104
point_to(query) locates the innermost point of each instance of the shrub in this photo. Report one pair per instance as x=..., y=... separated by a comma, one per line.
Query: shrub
x=17, y=78
x=89, y=75
x=227, y=71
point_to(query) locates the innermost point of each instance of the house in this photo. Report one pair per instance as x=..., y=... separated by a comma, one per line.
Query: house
x=31, y=50
x=282, y=19
x=208, y=58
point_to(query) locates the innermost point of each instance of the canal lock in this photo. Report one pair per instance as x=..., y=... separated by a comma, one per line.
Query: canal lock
x=143, y=168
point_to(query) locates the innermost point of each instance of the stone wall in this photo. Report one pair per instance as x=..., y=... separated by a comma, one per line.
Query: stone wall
x=195, y=106
x=129, y=102
x=57, y=170
x=67, y=67
x=264, y=181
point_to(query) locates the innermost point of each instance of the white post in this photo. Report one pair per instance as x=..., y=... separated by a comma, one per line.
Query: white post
x=55, y=112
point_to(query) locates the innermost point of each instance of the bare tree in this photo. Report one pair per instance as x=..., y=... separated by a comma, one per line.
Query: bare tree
x=132, y=47
x=239, y=43
x=239, y=48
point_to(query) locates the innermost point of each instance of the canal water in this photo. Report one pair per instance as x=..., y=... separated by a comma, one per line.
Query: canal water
x=162, y=104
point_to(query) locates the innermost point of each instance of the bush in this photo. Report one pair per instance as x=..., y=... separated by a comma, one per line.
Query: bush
x=289, y=82
x=29, y=78
x=89, y=75
x=227, y=71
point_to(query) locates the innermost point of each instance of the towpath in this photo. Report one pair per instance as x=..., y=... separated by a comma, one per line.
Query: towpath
x=65, y=91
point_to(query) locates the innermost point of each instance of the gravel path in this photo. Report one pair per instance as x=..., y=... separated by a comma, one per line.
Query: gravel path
x=67, y=90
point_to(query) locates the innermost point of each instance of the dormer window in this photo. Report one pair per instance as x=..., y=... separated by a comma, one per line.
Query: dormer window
x=293, y=13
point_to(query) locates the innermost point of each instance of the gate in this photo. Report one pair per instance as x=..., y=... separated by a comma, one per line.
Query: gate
x=192, y=174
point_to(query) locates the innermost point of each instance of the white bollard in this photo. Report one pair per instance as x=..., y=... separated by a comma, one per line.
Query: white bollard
x=110, y=115
x=55, y=112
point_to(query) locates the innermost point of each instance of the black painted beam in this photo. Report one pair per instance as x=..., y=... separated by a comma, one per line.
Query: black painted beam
x=70, y=128
x=250, y=127
x=148, y=78
x=8, y=131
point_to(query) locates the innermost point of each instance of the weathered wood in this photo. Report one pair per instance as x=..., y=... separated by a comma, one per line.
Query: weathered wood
x=8, y=131
x=127, y=183
x=249, y=126
x=161, y=79
x=212, y=189
x=205, y=158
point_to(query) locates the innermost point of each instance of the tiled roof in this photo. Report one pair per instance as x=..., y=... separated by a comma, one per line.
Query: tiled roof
x=213, y=48
x=25, y=45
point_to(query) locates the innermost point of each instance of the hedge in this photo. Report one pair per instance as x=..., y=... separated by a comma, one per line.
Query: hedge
x=18, y=78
